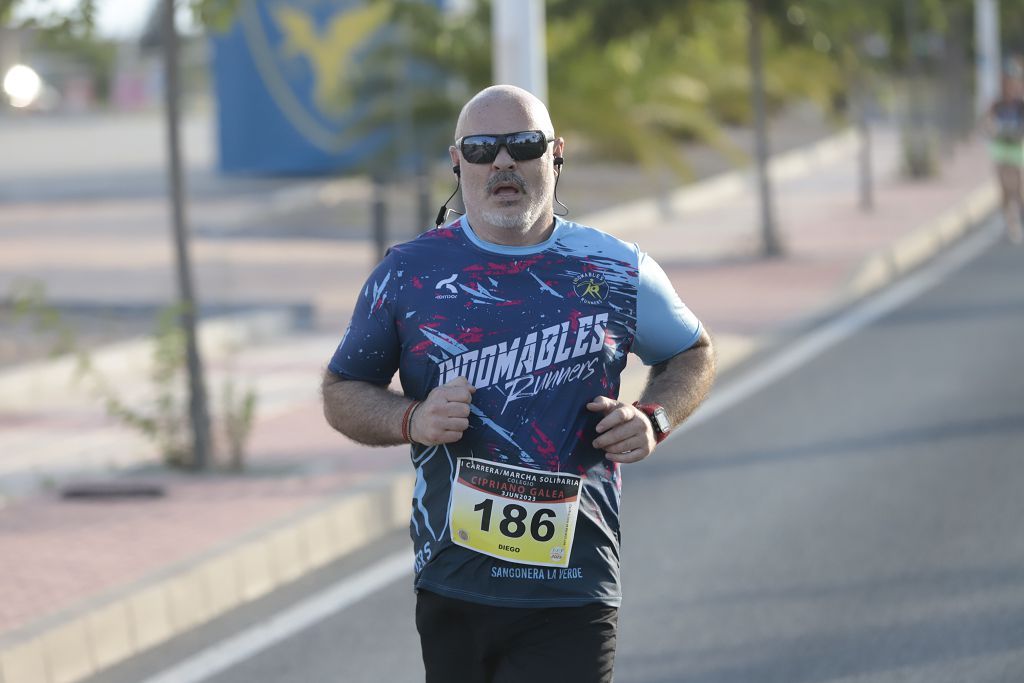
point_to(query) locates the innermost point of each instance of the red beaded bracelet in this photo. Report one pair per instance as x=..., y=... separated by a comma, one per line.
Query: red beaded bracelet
x=407, y=422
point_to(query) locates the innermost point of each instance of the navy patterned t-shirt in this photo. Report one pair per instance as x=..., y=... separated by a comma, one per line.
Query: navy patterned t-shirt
x=540, y=331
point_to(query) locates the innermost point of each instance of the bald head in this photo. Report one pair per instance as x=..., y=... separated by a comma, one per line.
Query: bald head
x=508, y=200
x=503, y=102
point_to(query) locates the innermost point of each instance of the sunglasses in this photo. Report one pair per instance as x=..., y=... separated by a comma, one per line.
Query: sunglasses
x=522, y=146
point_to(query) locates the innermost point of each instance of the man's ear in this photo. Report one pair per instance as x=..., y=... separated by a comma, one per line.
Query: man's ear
x=558, y=152
x=453, y=152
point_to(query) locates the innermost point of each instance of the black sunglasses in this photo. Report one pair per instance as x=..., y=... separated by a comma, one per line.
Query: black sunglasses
x=522, y=146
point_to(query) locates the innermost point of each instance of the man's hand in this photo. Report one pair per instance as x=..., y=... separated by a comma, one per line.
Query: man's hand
x=444, y=414
x=625, y=433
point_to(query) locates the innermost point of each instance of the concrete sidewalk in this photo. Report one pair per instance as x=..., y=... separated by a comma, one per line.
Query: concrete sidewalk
x=87, y=584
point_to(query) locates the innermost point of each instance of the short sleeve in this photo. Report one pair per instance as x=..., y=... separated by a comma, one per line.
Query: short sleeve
x=664, y=325
x=370, y=348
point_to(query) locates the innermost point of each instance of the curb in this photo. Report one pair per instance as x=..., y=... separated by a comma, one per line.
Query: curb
x=69, y=647
x=919, y=246
x=27, y=385
x=625, y=218
x=326, y=194
x=880, y=269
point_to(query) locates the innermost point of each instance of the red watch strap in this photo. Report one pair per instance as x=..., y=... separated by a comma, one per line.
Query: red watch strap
x=648, y=409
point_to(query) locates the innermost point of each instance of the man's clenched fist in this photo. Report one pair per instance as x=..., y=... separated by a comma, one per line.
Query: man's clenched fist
x=625, y=433
x=444, y=415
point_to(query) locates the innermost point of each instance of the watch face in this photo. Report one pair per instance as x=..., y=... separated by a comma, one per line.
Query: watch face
x=661, y=420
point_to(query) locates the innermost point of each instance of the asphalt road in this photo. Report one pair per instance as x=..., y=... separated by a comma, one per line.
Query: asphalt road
x=857, y=520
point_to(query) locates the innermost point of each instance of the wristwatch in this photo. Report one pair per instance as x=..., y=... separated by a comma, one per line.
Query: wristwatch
x=658, y=417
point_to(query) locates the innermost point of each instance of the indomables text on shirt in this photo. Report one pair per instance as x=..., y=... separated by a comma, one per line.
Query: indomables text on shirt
x=515, y=362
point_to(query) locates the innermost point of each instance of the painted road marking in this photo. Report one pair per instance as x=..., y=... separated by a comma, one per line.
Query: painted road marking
x=302, y=615
x=846, y=325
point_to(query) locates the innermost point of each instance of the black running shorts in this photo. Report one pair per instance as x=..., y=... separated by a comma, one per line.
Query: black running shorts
x=472, y=643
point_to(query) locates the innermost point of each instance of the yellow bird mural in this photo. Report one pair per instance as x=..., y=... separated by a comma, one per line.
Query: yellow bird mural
x=329, y=53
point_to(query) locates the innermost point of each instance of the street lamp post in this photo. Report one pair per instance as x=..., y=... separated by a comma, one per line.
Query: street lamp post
x=519, y=47
x=986, y=40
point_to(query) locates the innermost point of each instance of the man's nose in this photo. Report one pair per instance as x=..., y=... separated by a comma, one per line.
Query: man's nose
x=503, y=160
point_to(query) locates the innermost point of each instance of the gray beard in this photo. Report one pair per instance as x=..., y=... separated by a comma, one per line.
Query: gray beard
x=505, y=220
x=521, y=222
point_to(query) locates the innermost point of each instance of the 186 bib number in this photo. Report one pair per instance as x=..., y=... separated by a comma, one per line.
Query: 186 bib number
x=512, y=523
x=514, y=513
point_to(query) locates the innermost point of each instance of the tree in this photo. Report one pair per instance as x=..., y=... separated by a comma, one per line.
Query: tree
x=81, y=18
x=635, y=79
x=631, y=97
x=406, y=81
x=855, y=35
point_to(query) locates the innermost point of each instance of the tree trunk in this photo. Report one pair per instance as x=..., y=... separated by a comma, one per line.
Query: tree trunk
x=198, y=411
x=861, y=103
x=916, y=137
x=770, y=246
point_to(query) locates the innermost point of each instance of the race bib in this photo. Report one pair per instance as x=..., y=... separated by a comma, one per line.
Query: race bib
x=514, y=513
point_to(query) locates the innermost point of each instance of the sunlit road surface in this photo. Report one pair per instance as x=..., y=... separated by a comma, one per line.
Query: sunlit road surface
x=856, y=520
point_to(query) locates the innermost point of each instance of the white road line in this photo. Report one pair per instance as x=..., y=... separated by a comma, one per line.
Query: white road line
x=846, y=325
x=313, y=609
x=240, y=647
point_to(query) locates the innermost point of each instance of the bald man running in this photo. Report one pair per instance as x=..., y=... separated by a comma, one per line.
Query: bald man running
x=510, y=328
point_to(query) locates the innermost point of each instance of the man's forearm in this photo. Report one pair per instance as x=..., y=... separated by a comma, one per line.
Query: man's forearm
x=364, y=412
x=681, y=383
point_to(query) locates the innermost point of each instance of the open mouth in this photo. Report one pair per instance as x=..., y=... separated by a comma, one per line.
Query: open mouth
x=506, y=185
x=506, y=190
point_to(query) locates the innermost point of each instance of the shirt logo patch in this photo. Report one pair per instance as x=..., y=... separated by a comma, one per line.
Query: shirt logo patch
x=447, y=284
x=591, y=288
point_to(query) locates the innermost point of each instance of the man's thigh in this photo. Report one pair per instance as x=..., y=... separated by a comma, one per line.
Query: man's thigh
x=452, y=643
x=565, y=644
x=472, y=643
